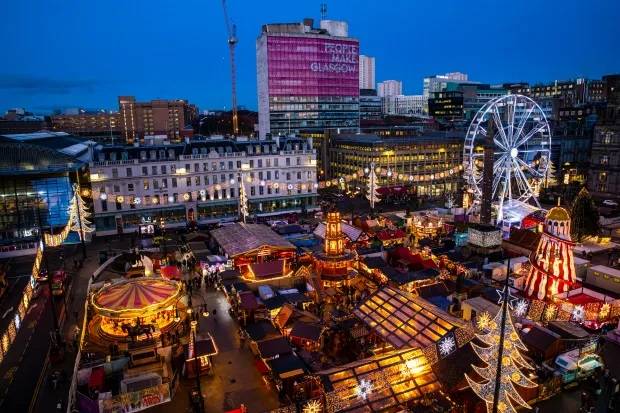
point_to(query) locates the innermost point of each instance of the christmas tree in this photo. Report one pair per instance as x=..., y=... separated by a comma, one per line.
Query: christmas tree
x=79, y=216
x=243, y=201
x=512, y=363
x=550, y=178
x=584, y=215
x=372, y=193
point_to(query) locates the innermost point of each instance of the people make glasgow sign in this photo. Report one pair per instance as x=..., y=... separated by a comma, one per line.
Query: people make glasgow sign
x=342, y=59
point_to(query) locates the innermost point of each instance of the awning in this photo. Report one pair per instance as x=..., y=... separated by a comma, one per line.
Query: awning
x=170, y=272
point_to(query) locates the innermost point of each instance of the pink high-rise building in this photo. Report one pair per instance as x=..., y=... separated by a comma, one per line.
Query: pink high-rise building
x=308, y=78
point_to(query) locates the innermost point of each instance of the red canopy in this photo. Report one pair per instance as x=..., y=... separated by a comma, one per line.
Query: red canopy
x=387, y=234
x=170, y=272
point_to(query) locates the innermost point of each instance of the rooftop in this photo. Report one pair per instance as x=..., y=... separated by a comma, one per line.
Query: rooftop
x=241, y=238
x=405, y=320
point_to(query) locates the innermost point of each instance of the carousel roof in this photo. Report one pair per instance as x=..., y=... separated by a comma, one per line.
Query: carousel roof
x=134, y=297
x=387, y=381
x=405, y=320
x=241, y=238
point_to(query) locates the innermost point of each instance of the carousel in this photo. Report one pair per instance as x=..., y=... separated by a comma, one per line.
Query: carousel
x=426, y=225
x=136, y=309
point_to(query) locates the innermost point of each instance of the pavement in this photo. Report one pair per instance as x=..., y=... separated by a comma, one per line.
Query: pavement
x=234, y=380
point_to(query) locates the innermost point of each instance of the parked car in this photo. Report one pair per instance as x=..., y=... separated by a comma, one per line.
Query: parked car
x=610, y=203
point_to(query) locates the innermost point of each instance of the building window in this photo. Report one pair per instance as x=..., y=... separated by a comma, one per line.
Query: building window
x=146, y=184
x=174, y=182
x=268, y=162
x=299, y=176
x=230, y=165
x=261, y=190
x=288, y=176
x=288, y=161
x=276, y=174
x=206, y=180
x=252, y=190
x=232, y=192
x=260, y=163
x=251, y=163
x=275, y=162
x=268, y=175
x=114, y=173
x=604, y=159
x=164, y=183
x=173, y=169
x=104, y=206
x=145, y=171
x=188, y=181
x=155, y=184
x=196, y=167
x=154, y=169
x=129, y=172
x=197, y=180
x=298, y=160
x=164, y=170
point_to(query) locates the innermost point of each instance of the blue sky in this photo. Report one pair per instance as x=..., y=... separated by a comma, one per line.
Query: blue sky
x=71, y=53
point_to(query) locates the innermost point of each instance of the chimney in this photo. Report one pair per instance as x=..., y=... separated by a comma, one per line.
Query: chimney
x=308, y=22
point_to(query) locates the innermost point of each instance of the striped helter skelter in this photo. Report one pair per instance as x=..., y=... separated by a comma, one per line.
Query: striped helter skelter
x=552, y=268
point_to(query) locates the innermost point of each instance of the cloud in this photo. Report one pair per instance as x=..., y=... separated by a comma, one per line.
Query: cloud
x=41, y=85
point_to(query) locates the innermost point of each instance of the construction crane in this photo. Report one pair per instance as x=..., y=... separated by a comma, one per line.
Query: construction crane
x=232, y=42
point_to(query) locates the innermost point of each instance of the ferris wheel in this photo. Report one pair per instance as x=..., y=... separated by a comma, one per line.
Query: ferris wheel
x=521, y=151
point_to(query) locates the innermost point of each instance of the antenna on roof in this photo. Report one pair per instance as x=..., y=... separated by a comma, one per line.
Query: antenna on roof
x=323, y=11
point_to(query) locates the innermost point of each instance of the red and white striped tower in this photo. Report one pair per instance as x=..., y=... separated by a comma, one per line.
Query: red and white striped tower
x=552, y=264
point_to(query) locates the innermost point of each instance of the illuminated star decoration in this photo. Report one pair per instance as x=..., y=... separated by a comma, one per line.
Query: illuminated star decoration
x=313, y=406
x=578, y=313
x=511, y=298
x=363, y=389
x=483, y=320
x=520, y=308
x=447, y=345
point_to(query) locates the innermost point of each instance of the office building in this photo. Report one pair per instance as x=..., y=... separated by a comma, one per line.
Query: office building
x=307, y=78
x=446, y=105
x=37, y=173
x=172, y=118
x=367, y=72
x=423, y=160
x=389, y=88
x=370, y=105
x=439, y=83
x=404, y=105
x=198, y=180
x=604, y=174
x=98, y=125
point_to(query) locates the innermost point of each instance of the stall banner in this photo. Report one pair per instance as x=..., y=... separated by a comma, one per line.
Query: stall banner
x=136, y=401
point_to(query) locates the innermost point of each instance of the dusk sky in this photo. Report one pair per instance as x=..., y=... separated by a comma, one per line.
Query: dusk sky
x=60, y=54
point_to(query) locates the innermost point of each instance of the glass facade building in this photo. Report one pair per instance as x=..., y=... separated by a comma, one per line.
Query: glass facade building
x=36, y=187
x=307, y=80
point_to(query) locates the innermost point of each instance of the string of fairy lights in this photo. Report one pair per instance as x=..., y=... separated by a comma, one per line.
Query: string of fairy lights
x=221, y=191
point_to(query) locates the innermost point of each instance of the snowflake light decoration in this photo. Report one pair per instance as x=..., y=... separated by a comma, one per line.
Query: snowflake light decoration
x=363, y=389
x=313, y=406
x=447, y=345
x=521, y=308
x=483, y=320
x=604, y=312
x=502, y=294
x=578, y=313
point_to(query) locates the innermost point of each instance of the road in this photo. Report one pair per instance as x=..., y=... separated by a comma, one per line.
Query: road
x=234, y=380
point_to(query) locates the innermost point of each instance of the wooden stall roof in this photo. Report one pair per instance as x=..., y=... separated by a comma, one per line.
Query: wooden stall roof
x=242, y=238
